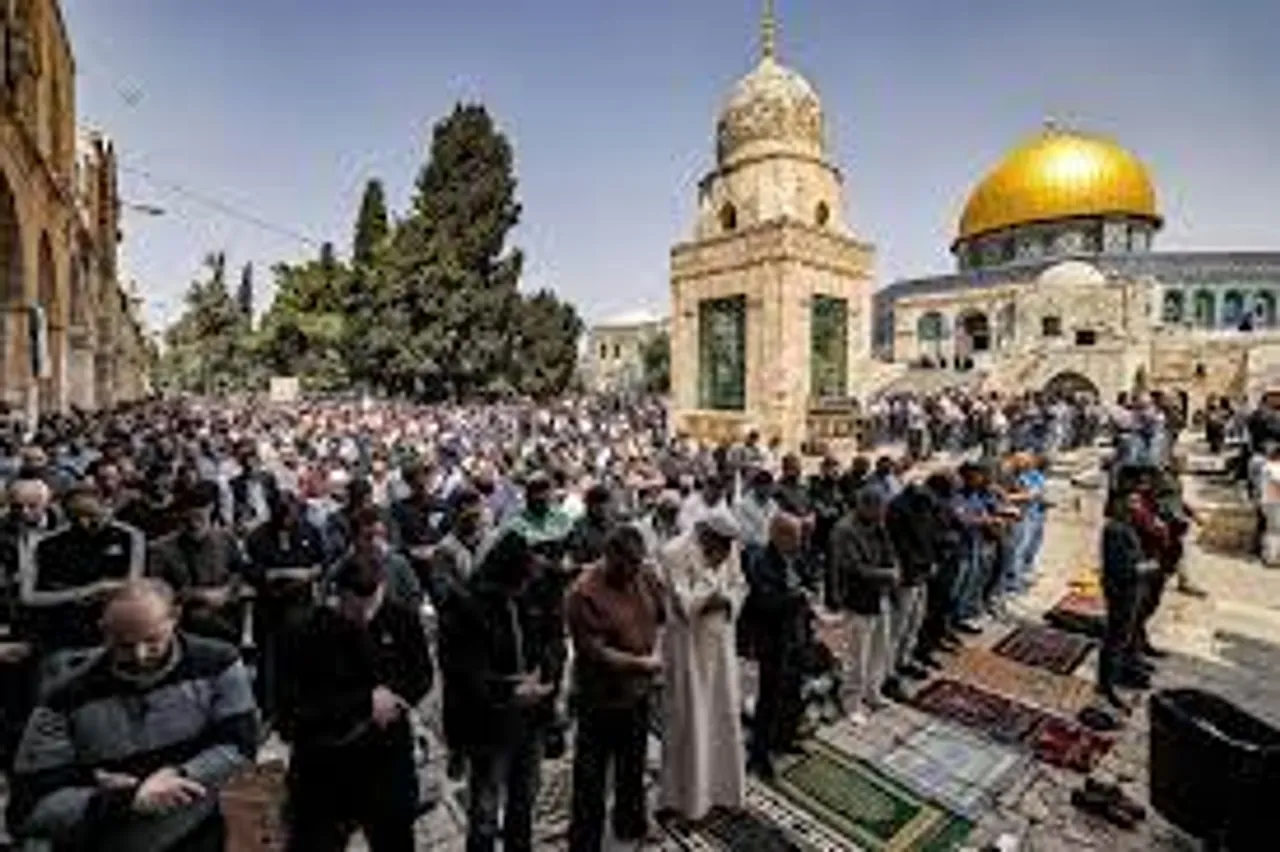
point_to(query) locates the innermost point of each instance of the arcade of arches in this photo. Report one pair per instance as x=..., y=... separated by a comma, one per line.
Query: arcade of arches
x=69, y=334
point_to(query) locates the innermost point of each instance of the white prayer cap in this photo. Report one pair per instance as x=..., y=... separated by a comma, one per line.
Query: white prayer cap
x=721, y=522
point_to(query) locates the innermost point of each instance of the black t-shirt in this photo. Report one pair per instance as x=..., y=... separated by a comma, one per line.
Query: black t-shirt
x=74, y=558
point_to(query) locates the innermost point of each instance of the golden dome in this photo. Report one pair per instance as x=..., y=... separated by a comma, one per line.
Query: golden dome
x=1060, y=174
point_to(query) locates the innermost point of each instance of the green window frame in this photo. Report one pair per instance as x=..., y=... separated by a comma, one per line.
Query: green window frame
x=722, y=354
x=829, y=347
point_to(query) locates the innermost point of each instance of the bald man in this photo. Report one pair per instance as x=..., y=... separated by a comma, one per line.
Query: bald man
x=128, y=753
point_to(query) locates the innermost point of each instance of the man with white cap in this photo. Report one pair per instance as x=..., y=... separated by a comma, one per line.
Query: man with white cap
x=702, y=749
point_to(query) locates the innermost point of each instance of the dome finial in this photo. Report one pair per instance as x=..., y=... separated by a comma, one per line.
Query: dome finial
x=769, y=32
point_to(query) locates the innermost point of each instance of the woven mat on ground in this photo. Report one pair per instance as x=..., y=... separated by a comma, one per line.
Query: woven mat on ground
x=950, y=765
x=1040, y=688
x=864, y=806
x=1079, y=613
x=1044, y=647
x=1051, y=739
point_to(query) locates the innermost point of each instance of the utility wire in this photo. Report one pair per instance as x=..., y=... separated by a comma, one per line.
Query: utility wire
x=215, y=204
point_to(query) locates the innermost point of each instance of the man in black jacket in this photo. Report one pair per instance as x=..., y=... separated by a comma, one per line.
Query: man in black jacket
x=912, y=522
x=351, y=676
x=776, y=613
x=501, y=652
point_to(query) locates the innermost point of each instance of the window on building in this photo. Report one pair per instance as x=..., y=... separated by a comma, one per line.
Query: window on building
x=604, y=351
x=1051, y=326
x=1175, y=306
x=1086, y=337
x=822, y=214
x=729, y=217
x=617, y=352
x=1206, y=309
x=722, y=354
x=828, y=347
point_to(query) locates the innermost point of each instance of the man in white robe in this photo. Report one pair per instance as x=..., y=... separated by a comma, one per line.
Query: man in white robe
x=702, y=749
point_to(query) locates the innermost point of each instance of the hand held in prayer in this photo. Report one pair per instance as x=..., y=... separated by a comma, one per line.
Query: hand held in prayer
x=166, y=790
x=213, y=598
x=530, y=690
x=114, y=780
x=651, y=664
x=387, y=706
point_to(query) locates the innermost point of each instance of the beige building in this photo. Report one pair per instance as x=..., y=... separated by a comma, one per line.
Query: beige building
x=1058, y=287
x=59, y=230
x=614, y=351
x=771, y=307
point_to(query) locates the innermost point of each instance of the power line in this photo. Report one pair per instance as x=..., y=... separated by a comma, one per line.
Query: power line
x=216, y=204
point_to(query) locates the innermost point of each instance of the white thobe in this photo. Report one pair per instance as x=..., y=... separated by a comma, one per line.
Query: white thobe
x=702, y=748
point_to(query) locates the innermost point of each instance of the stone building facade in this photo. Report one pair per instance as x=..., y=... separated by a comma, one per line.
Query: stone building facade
x=771, y=294
x=614, y=351
x=1059, y=286
x=59, y=231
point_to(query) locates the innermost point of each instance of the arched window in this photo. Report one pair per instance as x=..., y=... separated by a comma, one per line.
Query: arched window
x=1206, y=309
x=1264, y=309
x=931, y=329
x=729, y=217
x=822, y=214
x=1175, y=306
x=1232, y=308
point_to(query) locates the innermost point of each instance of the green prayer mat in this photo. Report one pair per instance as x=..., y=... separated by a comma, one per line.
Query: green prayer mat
x=859, y=803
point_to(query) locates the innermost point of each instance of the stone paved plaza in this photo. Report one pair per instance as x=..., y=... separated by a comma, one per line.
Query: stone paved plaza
x=1228, y=643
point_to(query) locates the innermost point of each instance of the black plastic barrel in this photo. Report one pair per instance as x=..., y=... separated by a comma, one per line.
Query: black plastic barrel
x=1214, y=769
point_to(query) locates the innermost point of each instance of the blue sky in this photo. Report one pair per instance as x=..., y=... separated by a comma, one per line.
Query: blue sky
x=284, y=108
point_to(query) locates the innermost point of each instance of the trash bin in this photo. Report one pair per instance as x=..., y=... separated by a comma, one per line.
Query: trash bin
x=1214, y=769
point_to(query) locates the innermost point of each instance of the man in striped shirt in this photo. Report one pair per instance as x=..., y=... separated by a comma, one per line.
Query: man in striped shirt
x=128, y=753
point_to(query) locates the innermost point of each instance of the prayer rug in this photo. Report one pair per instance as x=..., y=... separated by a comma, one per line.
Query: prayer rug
x=949, y=765
x=734, y=830
x=1002, y=719
x=1070, y=745
x=1079, y=613
x=1053, y=740
x=864, y=806
x=1046, y=648
x=1057, y=693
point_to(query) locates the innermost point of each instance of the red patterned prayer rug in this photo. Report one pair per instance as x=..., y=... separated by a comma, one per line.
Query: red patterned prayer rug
x=1051, y=739
x=1045, y=648
x=1079, y=612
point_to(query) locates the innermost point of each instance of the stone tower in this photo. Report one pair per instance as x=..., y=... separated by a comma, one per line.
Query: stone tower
x=771, y=298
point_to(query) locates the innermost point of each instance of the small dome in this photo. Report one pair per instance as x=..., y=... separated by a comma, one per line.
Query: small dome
x=1060, y=174
x=1071, y=273
x=773, y=109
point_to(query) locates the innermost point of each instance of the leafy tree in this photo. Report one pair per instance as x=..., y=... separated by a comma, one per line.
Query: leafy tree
x=303, y=332
x=244, y=295
x=546, y=345
x=372, y=227
x=655, y=359
x=207, y=348
x=452, y=300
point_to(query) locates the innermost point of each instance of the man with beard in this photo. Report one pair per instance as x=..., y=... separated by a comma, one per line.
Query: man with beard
x=352, y=674
x=153, y=511
x=503, y=665
x=205, y=567
x=452, y=564
x=776, y=615
x=287, y=557
x=72, y=571
x=128, y=753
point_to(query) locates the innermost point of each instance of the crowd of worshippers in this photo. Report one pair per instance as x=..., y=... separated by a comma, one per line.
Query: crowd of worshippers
x=181, y=581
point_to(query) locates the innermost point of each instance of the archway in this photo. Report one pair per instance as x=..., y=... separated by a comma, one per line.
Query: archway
x=1232, y=308
x=1264, y=309
x=12, y=346
x=1175, y=307
x=973, y=334
x=1206, y=309
x=931, y=328
x=1069, y=384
